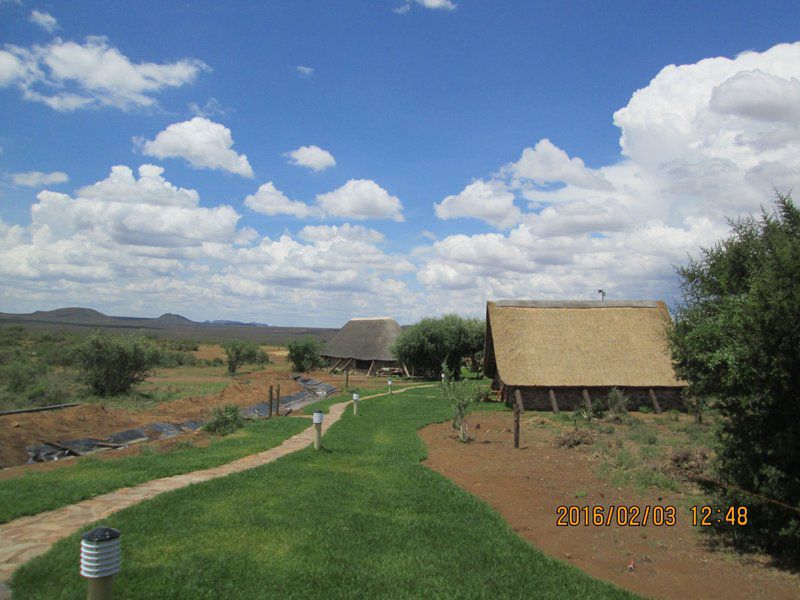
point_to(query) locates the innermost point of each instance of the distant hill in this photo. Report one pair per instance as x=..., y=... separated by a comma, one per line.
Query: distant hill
x=235, y=323
x=168, y=325
x=173, y=319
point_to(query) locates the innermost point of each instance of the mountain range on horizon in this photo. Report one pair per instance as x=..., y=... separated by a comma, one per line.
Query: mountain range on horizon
x=167, y=325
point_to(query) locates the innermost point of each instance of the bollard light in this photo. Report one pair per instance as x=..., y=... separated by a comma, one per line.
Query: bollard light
x=442, y=377
x=101, y=556
x=390, y=387
x=356, y=398
x=318, y=416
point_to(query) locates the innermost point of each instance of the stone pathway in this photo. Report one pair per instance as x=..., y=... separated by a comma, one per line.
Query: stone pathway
x=28, y=537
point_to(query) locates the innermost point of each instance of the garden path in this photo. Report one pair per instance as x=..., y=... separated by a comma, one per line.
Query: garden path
x=28, y=537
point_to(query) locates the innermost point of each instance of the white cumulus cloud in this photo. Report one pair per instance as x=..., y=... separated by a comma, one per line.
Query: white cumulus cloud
x=44, y=20
x=269, y=200
x=699, y=144
x=488, y=201
x=304, y=71
x=361, y=199
x=38, y=179
x=67, y=75
x=311, y=157
x=202, y=143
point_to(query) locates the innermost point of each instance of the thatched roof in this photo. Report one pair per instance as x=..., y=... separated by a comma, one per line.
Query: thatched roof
x=578, y=344
x=364, y=339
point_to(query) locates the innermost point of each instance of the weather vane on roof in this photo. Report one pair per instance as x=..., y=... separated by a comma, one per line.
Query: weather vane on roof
x=602, y=294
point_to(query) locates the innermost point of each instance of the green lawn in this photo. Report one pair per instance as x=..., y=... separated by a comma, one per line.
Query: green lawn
x=33, y=492
x=324, y=405
x=360, y=519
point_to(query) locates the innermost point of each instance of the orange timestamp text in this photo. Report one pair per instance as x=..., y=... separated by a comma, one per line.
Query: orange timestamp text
x=620, y=515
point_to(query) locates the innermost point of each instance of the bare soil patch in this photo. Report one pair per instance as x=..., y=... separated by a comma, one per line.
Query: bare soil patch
x=95, y=420
x=526, y=486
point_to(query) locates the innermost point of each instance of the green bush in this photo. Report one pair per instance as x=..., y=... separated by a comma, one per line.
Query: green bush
x=112, y=364
x=239, y=352
x=736, y=339
x=460, y=395
x=304, y=355
x=451, y=340
x=224, y=420
x=19, y=375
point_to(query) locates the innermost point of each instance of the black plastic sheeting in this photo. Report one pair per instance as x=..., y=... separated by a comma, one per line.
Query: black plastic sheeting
x=312, y=390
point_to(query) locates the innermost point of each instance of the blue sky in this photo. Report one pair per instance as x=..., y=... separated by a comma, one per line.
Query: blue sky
x=482, y=150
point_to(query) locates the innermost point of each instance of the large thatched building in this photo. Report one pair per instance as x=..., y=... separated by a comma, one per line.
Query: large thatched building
x=560, y=355
x=364, y=345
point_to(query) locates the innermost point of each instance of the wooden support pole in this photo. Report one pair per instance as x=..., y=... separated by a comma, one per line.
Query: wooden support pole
x=553, y=402
x=654, y=400
x=587, y=400
x=371, y=366
x=338, y=362
x=269, y=413
x=346, y=379
x=278, y=401
x=519, y=408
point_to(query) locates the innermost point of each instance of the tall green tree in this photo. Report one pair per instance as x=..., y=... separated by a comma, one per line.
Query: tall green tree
x=425, y=346
x=736, y=337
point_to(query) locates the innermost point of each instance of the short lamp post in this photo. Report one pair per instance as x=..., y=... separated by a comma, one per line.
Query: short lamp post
x=390, y=387
x=356, y=398
x=101, y=555
x=318, y=416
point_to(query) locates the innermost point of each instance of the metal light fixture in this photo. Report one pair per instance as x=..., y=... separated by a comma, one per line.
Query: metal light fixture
x=318, y=416
x=390, y=387
x=356, y=398
x=101, y=556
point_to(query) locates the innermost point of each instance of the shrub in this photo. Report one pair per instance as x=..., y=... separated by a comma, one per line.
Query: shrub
x=617, y=405
x=304, y=355
x=574, y=437
x=111, y=365
x=460, y=394
x=19, y=375
x=451, y=339
x=735, y=338
x=224, y=420
x=240, y=352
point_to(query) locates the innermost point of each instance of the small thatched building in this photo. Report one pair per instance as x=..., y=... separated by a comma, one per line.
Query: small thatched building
x=364, y=345
x=563, y=354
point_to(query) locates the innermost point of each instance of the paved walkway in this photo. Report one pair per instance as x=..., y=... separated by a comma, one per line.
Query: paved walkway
x=28, y=537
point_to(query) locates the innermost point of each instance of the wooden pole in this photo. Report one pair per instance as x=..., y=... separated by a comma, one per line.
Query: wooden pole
x=278, y=401
x=587, y=400
x=346, y=379
x=553, y=402
x=269, y=414
x=654, y=400
x=519, y=408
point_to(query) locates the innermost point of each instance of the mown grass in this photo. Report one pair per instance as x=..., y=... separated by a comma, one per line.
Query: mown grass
x=324, y=405
x=360, y=519
x=33, y=492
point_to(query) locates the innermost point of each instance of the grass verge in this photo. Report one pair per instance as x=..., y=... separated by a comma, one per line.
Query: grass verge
x=32, y=493
x=360, y=519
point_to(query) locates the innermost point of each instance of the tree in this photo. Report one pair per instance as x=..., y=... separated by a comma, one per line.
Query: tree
x=304, y=355
x=424, y=347
x=111, y=365
x=239, y=352
x=460, y=395
x=736, y=337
